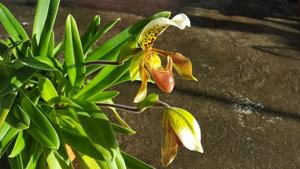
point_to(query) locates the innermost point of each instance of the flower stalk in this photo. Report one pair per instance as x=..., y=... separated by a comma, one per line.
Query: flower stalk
x=102, y=62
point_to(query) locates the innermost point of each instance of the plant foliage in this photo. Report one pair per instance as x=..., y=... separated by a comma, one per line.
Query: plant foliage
x=49, y=109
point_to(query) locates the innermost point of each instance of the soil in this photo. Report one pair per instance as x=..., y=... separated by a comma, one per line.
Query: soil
x=246, y=56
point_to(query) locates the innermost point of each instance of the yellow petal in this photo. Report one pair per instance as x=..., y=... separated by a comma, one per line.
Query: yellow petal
x=143, y=89
x=134, y=66
x=154, y=28
x=183, y=66
x=186, y=128
x=163, y=77
x=155, y=61
x=169, y=142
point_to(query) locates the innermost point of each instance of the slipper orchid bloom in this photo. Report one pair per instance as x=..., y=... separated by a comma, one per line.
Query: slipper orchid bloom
x=148, y=62
x=179, y=128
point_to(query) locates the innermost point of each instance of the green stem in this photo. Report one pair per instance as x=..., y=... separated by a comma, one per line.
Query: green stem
x=162, y=104
x=120, y=106
x=133, y=109
x=102, y=62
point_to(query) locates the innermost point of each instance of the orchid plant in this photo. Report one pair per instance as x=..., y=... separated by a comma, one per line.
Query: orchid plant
x=52, y=92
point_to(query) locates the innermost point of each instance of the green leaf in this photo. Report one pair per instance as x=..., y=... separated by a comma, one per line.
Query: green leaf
x=16, y=162
x=40, y=18
x=18, y=118
x=81, y=143
x=74, y=57
x=148, y=102
x=47, y=45
x=99, y=34
x=47, y=90
x=19, y=145
x=134, y=163
x=31, y=154
x=16, y=80
x=86, y=162
x=99, y=131
x=5, y=105
x=91, y=31
x=40, y=128
x=119, y=119
x=103, y=80
x=12, y=25
x=41, y=63
x=7, y=135
x=54, y=161
x=120, y=163
x=3, y=130
x=44, y=19
x=42, y=162
x=121, y=129
x=102, y=96
x=128, y=50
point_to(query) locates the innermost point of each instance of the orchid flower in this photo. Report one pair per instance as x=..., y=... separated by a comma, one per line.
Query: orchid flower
x=148, y=62
x=179, y=128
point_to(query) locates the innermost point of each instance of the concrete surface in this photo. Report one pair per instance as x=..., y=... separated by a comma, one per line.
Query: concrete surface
x=246, y=55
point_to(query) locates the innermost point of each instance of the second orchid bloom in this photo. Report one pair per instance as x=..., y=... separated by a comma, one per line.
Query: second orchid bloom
x=147, y=63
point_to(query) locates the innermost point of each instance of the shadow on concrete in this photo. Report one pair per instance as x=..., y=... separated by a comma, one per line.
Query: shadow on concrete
x=229, y=101
x=258, y=9
x=292, y=38
x=286, y=52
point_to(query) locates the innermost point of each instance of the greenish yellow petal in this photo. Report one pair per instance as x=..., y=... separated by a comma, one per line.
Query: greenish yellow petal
x=169, y=142
x=134, y=66
x=143, y=89
x=186, y=128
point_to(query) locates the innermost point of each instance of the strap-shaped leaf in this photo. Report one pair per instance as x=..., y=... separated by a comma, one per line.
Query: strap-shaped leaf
x=7, y=134
x=54, y=161
x=100, y=132
x=44, y=19
x=18, y=118
x=47, y=89
x=16, y=80
x=99, y=34
x=19, y=145
x=47, y=45
x=41, y=63
x=81, y=144
x=12, y=25
x=91, y=30
x=121, y=129
x=74, y=57
x=102, y=96
x=134, y=163
x=86, y=162
x=5, y=105
x=31, y=154
x=119, y=160
x=104, y=79
x=40, y=128
x=16, y=162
